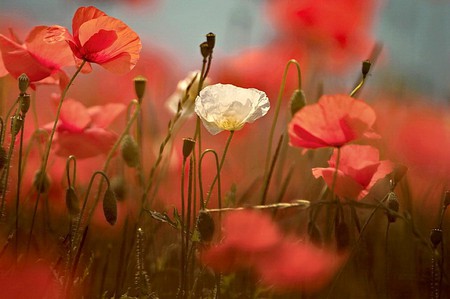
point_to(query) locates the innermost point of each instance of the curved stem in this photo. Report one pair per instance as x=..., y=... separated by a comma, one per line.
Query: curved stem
x=220, y=166
x=73, y=159
x=277, y=109
x=200, y=179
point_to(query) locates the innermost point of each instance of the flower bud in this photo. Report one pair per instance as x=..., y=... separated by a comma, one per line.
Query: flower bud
x=188, y=147
x=3, y=157
x=24, y=82
x=119, y=187
x=110, y=206
x=139, y=86
x=298, y=101
x=41, y=181
x=436, y=236
x=72, y=201
x=211, y=40
x=205, y=225
x=205, y=50
x=24, y=103
x=130, y=151
x=366, y=67
x=16, y=124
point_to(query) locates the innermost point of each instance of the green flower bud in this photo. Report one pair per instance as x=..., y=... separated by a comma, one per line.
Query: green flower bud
x=188, y=147
x=298, y=101
x=130, y=151
x=110, y=206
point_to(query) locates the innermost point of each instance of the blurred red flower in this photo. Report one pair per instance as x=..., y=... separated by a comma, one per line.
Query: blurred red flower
x=100, y=39
x=262, y=68
x=294, y=265
x=36, y=58
x=79, y=125
x=247, y=234
x=359, y=169
x=334, y=29
x=33, y=280
x=334, y=121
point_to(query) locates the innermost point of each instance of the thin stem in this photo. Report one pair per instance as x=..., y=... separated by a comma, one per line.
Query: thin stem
x=19, y=183
x=72, y=159
x=269, y=174
x=182, y=231
x=200, y=177
x=220, y=166
x=277, y=108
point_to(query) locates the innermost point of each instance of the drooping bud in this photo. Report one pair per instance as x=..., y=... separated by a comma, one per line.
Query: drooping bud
x=130, y=151
x=211, y=40
x=205, y=50
x=436, y=236
x=110, y=206
x=366, y=67
x=16, y=124
x=140, y=83
x=119, y=187
x=24, y=82
x=41, y=181
x=24, y=103
x=72, y=201
x=188, y=147
x=298, y=101
x=205, y=225
x=3, y=157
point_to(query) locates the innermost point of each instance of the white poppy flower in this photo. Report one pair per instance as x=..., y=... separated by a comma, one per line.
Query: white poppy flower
x=187, y=105
x=227, y=107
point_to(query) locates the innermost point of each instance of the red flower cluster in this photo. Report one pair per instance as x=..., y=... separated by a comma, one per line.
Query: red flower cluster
x=334, y=121
x=252, y=240
x=87, y=126
x=358, y=170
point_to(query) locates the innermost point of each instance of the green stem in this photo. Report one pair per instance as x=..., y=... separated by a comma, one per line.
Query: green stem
x=277, y=111
x=200, y=178
x=220, y=167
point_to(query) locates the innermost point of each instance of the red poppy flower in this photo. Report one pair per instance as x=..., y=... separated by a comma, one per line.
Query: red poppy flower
x=247, y=234
x=358, y=170
x=334, y=29
x=79, y=125
x=100, y=39
x=334, y=121
x=36, y=58
x=295, y=265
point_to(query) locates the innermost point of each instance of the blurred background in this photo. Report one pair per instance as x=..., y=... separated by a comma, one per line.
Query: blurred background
x=415, y=34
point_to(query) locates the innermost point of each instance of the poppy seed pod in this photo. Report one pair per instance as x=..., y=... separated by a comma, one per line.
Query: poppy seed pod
x=211, y=40
x=188, y=147
x=205, y=50
x=110, y=206
x=140, y=82
x=130, y=151
x=24, y=82
x=366, y=67
x=16, y=124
